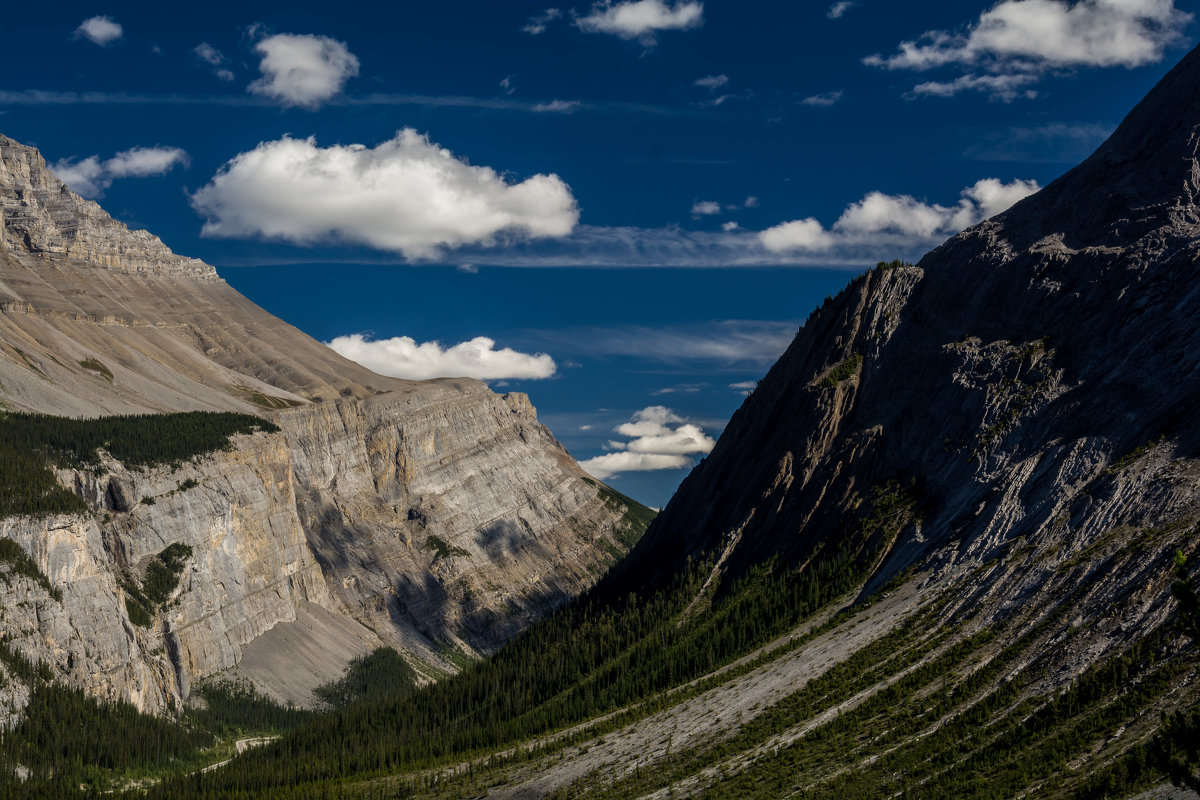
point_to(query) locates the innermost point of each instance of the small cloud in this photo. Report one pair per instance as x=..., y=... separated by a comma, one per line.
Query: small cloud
x=99, y=30
x=507, y=84
x=839, y=8
x=742, y=386
x=303, y=70
x=705, y=208
x=750, y=202
x=214, y=58
x=538, y=23
x=658, y=439
x=730, y=227
x=585, y=427
x=209, y=54
x=470, y=269
x=90, y=177
x=557, y=107
x=403, y=357
x=641, y=19
x=822, y=100
x=713, y=82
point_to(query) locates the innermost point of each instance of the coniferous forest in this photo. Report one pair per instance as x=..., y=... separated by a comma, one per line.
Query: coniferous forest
x=31, y=444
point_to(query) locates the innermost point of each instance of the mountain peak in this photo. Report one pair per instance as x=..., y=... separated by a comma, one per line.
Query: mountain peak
x=1144, y=176
x=40, y=216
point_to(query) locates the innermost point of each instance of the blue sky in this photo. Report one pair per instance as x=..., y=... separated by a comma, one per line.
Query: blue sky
x=623, y=208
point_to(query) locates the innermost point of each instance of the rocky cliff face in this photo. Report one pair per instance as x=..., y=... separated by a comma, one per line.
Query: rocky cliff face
x=1034, y=383
x=437, y=517
x=42, y=216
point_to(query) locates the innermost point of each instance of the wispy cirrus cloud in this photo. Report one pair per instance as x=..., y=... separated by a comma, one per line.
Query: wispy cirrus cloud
x=557, y=107
x=1051, y=142
x=41, y=97
x=724, y=344
x=1015, y=42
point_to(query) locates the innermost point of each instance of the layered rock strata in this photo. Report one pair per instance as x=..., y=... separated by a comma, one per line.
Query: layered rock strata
x=437, y=516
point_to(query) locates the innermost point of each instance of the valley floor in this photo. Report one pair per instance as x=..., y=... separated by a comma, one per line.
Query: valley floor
x=904, y=697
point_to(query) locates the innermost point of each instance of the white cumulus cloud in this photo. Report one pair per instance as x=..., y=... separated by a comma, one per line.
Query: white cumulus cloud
x=899, y=220
x=704, y=208
x=303, y=70
x=406, y=195
x=404, y=357
x=658, y=439
x=641, y=19
x=90, y=176
x=1028, y=37
x=99, y=30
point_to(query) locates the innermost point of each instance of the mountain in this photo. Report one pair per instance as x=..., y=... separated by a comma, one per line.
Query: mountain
x=930, y=556
x=435, y=517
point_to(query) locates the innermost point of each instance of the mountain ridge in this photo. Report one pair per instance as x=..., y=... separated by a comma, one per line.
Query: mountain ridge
x=436, y=517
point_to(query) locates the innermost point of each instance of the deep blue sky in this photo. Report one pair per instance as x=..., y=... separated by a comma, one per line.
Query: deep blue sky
x=605, y=263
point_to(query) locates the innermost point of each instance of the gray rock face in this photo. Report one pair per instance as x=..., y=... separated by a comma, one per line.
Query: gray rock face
x=437, y=516
x=1035, y=380
x=42, y=216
